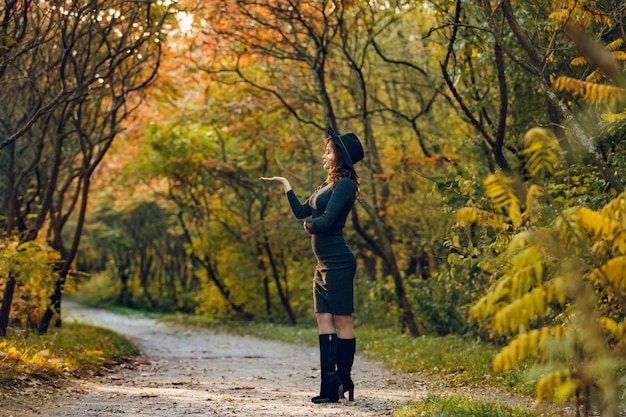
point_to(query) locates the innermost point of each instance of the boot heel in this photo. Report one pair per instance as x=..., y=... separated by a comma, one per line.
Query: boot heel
x=345, y=357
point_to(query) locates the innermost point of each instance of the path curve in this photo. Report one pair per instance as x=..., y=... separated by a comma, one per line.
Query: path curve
x=206, y=373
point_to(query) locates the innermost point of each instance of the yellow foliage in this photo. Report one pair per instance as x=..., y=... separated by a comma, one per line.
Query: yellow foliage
x=509, y=300
x=581, y=13
x=31, y=265
x=616, y=210
x=620, y=55
x=559, y=14
x=612, y=326
x=534, y=191
x=540, y=146
x=614, y=117
x=615, y=45
x=594, y=77
x=579, y=61
x=499, y=189
x=492, y=302
x=614, y=271
x=521, y=311
x=609, y=224
x=558, y=385
x=591, y=92
x=473, y=215
x=534, y=342
x=537, y=301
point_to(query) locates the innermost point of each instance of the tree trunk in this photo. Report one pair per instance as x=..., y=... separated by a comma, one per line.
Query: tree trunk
x=384, y=249
x=5, y=310
x=284, y=298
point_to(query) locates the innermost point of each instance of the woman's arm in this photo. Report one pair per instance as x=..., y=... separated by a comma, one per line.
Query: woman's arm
x=299, y=210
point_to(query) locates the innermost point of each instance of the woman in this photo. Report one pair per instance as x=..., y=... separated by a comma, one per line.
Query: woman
x=333, y=280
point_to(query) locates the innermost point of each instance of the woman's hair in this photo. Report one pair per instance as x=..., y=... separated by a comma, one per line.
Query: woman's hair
x=339, y=170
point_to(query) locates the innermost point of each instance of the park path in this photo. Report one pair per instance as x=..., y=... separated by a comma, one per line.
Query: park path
x=206, y=373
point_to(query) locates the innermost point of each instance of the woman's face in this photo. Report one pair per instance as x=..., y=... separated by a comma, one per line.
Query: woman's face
x=328, y=158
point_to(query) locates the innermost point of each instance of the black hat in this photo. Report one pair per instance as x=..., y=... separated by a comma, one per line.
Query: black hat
x=350, y=147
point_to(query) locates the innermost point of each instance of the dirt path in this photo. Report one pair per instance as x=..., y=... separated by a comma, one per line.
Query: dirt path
x=201, y=372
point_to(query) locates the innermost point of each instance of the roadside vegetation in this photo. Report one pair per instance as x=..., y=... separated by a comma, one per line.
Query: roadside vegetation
x=74, y=349
x=437, y=406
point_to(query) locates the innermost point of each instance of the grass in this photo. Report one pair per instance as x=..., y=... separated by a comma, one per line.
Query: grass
x=76, y=349
x=438, y=406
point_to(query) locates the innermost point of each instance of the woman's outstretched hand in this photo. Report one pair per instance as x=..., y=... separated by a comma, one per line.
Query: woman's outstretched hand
x=278, y=180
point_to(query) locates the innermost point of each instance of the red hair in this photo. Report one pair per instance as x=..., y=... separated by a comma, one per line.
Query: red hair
x=339, y=170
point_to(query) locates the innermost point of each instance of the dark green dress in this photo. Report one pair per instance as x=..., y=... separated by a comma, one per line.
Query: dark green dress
x=333, y=280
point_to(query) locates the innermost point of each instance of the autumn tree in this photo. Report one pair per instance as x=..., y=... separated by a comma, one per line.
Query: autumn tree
x=73, y=70
x=559, y=292
x=319, y=60
x=531, y=47
x=557, y=250
x=220, y=210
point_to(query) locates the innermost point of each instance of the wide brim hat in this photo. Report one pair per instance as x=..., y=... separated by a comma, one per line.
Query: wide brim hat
x=350, y=147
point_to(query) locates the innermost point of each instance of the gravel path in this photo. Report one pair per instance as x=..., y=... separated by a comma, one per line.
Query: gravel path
x=183, y=372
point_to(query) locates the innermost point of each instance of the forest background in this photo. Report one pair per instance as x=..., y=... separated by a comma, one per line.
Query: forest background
x=492, y=197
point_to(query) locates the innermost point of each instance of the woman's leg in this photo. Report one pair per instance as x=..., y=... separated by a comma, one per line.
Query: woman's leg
x=346, y=347
x=325, y=324
x=345, y=326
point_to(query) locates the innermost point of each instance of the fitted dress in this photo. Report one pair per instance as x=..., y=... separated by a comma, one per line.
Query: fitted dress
x=333, y=279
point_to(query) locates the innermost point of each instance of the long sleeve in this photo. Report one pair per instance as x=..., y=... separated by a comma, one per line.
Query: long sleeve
x=299, y=210
x=336, y=211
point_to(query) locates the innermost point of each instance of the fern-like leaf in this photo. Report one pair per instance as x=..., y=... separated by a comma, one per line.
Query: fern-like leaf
x=533, y=343
x=616, y=209
x=620, y=55
x=610, y=325
x=499, y=189
x=472, y=215
x=614, y=117
x=594, y=77
x=614, y=270
x=579, y=61
x=590, y=92
x=540, y=146
x=492, y=302
x=558, y=385
x=615, y=45
x=532, y=196
x=522, y=311
x=569, y=85
x=602, y=226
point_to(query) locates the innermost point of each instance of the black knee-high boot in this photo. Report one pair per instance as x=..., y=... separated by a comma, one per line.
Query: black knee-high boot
x=345, y=358
x=331, y=388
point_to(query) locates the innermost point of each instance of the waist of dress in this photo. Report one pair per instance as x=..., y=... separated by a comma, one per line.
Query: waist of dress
x=329, y=245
